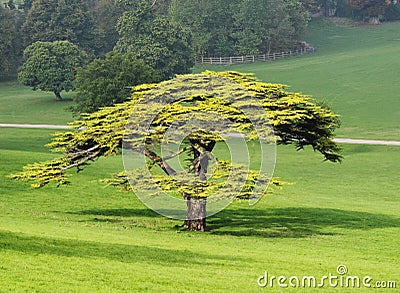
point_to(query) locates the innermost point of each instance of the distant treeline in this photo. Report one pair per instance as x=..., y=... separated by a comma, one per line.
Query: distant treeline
x=187, y=28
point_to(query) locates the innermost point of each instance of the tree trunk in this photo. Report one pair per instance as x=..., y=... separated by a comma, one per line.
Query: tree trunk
x=196, y=214
x=196, y=206
x=58, y=96
x=374, y=20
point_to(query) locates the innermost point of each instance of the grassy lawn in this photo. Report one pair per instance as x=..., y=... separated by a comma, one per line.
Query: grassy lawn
x=88, y=238
x=354, y=70
x=20, y=104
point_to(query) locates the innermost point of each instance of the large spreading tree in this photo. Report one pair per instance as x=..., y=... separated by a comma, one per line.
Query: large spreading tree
x=51, y=66
x=191, y=114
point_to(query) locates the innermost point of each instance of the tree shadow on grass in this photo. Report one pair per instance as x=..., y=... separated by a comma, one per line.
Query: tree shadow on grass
x=95, y=249
x=126, y=217
x=119, y=212
x=291, y=222
x=295, y=222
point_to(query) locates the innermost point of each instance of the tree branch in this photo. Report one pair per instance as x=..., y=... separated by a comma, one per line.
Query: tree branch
x=177, y=153
x=159, y=161
x=75, y=155
x=81, y=162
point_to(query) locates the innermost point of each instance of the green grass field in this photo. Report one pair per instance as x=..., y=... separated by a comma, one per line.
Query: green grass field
x=20, y=104
x=354, y=70
x=88, y=238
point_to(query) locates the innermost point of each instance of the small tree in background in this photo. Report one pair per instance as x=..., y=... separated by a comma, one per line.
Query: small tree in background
x=108, y=81
x=295, y=118
x=51, y=66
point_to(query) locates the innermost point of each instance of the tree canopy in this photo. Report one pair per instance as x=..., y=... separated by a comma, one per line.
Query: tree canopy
x=107, y=81
x=226, y=28
x=55, y=20
x=51, y=66
x=370, y=8
x=106, y=14
x=10, y=47
x=158, y=114
x=161, y=43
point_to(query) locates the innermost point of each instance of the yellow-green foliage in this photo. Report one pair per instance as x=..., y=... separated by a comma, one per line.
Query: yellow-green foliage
x=295, y=118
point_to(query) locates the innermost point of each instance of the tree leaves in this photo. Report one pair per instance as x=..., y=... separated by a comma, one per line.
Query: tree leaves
x=296, y=119
x=107, y=81
x=158, y=41
x=51, y=66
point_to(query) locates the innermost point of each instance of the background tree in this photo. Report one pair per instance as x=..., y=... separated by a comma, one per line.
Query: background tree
x=210, y=22
x=27, y=4
x=159, y=42
x=311, y=6
x=296, y=119
x=108, y=81
x=268, y=26
x=9, y=43
x=226, y=28
x=106, y=14
x=370, y=9
x=54, y=20
x=392, y=12
x=51, y=66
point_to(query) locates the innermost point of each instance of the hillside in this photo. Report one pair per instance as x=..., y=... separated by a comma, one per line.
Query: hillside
x=354, y=70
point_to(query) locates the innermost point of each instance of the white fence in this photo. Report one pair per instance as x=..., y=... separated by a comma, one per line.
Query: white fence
x=254, y=58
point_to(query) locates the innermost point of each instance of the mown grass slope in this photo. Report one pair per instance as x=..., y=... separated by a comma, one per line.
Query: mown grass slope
x=20, y=104
x=354, y=69
x=87, y=238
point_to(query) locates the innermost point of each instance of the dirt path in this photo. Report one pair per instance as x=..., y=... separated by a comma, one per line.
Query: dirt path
x=339, y=140
x=366, y=141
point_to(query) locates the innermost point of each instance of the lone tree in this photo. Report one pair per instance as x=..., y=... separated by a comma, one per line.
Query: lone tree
x=142, y=125
x=51, y=66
